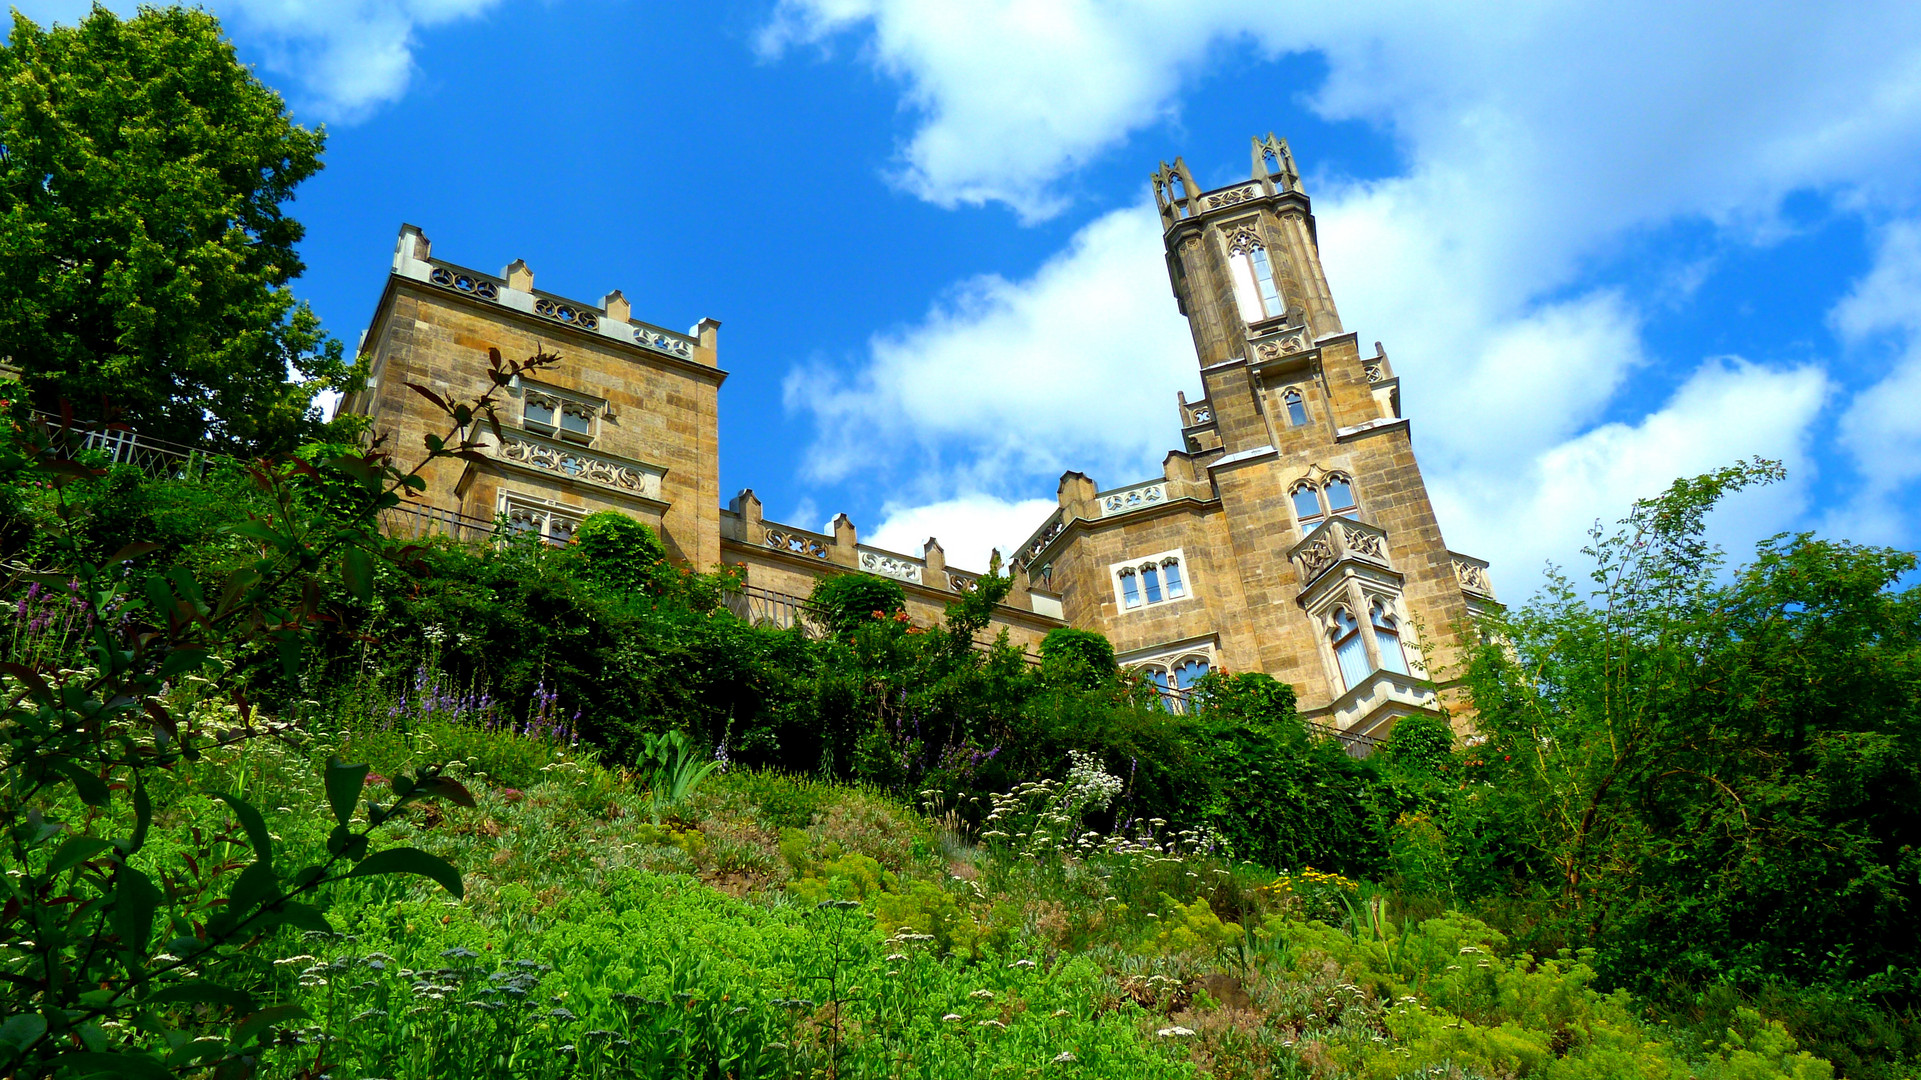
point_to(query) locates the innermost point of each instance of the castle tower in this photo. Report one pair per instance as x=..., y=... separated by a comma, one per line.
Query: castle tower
x=1292, y=533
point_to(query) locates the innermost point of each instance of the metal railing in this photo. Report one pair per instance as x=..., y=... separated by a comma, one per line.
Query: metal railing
x=1187, y=701
x=124, y=446
x=776, y=610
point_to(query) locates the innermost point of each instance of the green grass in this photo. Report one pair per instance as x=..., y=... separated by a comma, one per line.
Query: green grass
x=771, y=926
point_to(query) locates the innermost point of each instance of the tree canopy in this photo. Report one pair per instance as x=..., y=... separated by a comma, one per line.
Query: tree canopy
x=144, y=246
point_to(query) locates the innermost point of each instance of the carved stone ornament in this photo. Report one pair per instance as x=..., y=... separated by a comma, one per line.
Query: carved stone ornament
x=962, y=583
x=1374, y=373
x=1292, y=342
x=580, y=466
x=566, y=313
x=1245, y=239
x=659, y=342
x=1133, y=498
x=1045, y=538
x=887, y=566
x=1203, y=415
x=1472, y=576
x=1364, y=543
x=1233, y=198
x=466, y=283
x=797, y=543
x=1317, y=557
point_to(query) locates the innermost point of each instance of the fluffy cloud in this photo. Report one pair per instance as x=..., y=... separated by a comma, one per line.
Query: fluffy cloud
x=1537, y=141
x=1075, y=367
x=348, y=57
x=968, y=528
x=1881, y=427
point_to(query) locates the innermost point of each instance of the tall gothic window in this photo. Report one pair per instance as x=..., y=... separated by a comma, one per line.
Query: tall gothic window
x=1171, y=571
x=1387, y=638
x=1130, y=588
x=1307, y=506
x=1340, y=496
x=1254, y=287
x=1349, y=650
x=1296, y=408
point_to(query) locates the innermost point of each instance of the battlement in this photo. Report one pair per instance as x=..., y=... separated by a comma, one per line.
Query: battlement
x=513, y=289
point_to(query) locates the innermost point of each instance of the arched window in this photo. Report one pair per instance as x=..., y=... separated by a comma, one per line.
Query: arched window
x=1387, y=637
x=1296, y=408
x=1349, y=650
x=1254, y=287
x=1188, y=672
x=1151, y=579
x=1307, y=506
x=1130, y=589
x=1340, y=496
x=1171, y=573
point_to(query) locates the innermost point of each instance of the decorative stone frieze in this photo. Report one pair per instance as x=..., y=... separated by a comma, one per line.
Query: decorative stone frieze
x=577, y=464
x=798, y=543
x=1337, y=539
x=566, y=313
x=1234, y=197
x=1046, y=535
x=1281, y=343
x=878, y=562
x=666, y=343
x=1472, y=574
x=460, y=281
x=1134, y=498
x=1374, y=373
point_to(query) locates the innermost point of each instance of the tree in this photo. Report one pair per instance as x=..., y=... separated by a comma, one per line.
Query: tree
x=1711, y=777
x=144, y=251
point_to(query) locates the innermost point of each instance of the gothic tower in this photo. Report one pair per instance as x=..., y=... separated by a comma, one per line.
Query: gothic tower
x=1292, y=533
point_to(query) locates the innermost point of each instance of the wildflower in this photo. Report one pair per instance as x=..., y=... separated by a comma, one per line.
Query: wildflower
x=985, y=995
x=1175, y=1032
x=1065, y=1057
x=952, y=1017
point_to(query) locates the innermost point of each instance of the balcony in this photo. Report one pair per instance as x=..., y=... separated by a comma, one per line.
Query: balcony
x=1338, y=540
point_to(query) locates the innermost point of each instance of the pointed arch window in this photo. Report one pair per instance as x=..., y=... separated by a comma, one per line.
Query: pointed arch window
x=1254, y=288
x=1130, y=588
x=1296, y=408
x=1340, y=496
x=1307, y=505
x=1188, y=672
x=1349, y=650
x=1387, y=637
x=1333, y=497
x=1171, y=573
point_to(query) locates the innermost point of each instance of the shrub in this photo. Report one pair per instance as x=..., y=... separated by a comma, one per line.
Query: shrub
x=622, y=554
x=1071, y=657
x=846, y=601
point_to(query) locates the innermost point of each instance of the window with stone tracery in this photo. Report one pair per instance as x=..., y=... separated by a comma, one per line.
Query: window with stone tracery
x=1296, y=408
x=1314, y=503
x=1151, y=580
x=530, y=517
x=1349, y=639
x=548, y=413
x=1254, y=288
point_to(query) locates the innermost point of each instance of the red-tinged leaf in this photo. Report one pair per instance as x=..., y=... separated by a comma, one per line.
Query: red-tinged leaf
x=409, y=860
x=429, y=395
x=475, y=456
x=444, y=788
x=132, y=551
x=36, y=685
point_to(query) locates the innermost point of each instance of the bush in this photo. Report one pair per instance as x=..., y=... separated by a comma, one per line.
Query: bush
x=846, y=601
x=1071, y=657
x=622, y=554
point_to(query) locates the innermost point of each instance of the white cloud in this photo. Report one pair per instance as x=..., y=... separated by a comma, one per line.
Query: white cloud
x=348, y=57
x=968, y=528
x=1538, y=140
x=1881, y=427
x=1076, y=367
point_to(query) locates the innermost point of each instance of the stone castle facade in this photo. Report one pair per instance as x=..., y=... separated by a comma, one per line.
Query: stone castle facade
x=1290, y=534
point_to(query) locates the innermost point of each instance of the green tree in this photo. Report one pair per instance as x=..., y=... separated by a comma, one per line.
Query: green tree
x=144, y=250
x=1712, y=777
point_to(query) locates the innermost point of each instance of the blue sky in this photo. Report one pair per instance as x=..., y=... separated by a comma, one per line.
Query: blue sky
x=1605, y=244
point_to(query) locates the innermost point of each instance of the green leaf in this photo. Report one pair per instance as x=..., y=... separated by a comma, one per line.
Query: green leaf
x=411, y=860
x=135, y=900
x=93, y=790
x=343, y=787
x=131, y=551
x=36, y=685
x=74, y=852
x=183, y=660
x=259, y=1023
x=22, y=1028
x=357, y=569
x=256, y=885
x=299, y=916
x=290, y=643
x=86, y=1064
x=159, y=595
x=254, y=824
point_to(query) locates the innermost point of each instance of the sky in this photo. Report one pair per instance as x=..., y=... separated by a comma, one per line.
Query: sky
x=1606, y=245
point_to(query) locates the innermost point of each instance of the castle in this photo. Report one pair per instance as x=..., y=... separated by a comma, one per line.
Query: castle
x=1290, y=534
